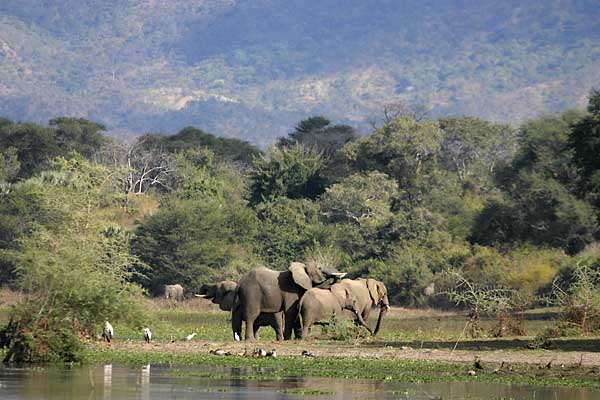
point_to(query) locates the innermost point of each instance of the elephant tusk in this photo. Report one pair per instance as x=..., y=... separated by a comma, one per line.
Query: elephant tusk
x=203, y=296
x=339, y=274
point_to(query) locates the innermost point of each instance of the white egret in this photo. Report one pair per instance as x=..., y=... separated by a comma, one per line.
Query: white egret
x=190, y=336
x=108, y=332
x=147, y=335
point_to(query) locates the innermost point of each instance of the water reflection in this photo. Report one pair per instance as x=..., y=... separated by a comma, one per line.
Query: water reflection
x=145, y=382
x=107, y=382
x=204, y=382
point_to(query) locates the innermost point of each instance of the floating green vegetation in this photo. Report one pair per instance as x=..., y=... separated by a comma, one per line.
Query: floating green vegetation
x=407, y=371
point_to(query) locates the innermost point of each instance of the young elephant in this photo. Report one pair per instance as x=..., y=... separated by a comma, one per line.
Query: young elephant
x=317, y=305
x=223, y=293
x=369, y=294
x=174, y=292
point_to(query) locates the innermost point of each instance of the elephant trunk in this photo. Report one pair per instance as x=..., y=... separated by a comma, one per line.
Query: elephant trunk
x=362, y=322
x=382, y=311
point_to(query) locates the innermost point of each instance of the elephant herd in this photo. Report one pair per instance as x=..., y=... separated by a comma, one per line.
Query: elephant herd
x=292, y=301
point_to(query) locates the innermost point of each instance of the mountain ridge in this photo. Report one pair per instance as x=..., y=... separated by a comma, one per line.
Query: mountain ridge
x=251, y=69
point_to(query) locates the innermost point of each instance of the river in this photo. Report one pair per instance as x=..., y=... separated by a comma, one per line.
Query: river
x=116, y=382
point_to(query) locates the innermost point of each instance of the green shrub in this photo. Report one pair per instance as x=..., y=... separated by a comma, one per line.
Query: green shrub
x=71, y=285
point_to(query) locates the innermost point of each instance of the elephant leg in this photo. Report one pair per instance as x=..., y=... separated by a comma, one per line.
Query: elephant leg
x=306, y=324
x=276, y=325
x=236, y=324
x=250, y=320
x=256, y=328
x=291, y=323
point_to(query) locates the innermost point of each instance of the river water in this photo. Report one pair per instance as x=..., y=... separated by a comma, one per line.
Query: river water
x=116, y=382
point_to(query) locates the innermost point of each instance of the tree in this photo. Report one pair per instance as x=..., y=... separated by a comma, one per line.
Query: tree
x=78, y=134
x=360, y=199
x=72, y=261
x=193, y=242
x=295, y=172
x=71, y=283
x=319, y=134
x=584, y=140
x=136, y=167
x=35, y=146
x=400, y=109
x=544, y=148
x=287, y=229
x=540, y=211
x=189, y=138
x=472, y=148
x=9, y=164
x=404, y=149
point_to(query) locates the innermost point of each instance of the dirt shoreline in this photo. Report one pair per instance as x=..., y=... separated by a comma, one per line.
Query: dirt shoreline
x=369, y=350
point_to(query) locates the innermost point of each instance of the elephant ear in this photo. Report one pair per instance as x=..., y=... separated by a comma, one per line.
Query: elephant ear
x=227, y=302
x=372, y=286
x=300, y=276
x=314, y=273
x=340, y=293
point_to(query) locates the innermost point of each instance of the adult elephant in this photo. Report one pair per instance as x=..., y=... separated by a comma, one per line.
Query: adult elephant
x=318, y=305
x=223, y=293
x=174, y=292
x=264, y=290
x=370, y=294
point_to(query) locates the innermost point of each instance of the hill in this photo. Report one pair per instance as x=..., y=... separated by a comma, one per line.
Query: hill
x=251, y=69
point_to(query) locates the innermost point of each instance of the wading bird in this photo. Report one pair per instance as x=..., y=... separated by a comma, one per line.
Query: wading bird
x=147, y=335
x=108, y=332
x=272, y=353
x=190, y=336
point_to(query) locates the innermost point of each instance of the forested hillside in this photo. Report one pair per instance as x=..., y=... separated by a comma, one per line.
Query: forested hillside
x=251, y=69
x=408, y=203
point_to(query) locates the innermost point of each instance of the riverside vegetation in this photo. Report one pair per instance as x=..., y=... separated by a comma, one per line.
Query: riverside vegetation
x=454, y=212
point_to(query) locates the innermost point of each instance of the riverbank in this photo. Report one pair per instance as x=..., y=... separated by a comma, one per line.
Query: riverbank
x=367, y=361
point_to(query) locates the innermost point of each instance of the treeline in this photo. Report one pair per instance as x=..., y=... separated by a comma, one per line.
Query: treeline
x=505, y=207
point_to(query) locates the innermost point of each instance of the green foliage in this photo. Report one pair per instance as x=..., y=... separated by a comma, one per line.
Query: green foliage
x=544, y=149
x=362, y=199
x=319, y=134
x=193, y=242
x=404, y=149
x=78, y=134
x=30, y=148
x=191, y=138
x=72, y=284
x=35, y=146
x=540, y=206
x=584, y=140
x=9, y=164
x=294, y=172
x=341, y=329
x=74, y=270
x=286, y=229
x=540, y=211
x=472, y=148
x=579, y=294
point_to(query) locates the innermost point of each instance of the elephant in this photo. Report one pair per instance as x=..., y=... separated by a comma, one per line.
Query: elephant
x=317, y=305
x=223, y=293
x=263, y=290
x=174, y=292
x=369, y=294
